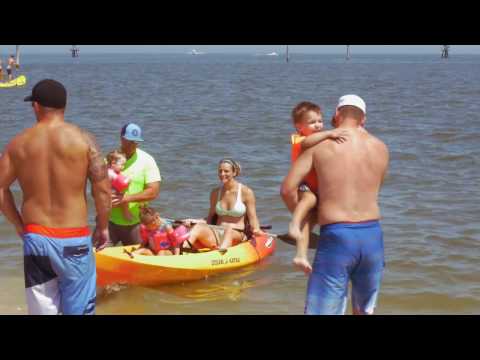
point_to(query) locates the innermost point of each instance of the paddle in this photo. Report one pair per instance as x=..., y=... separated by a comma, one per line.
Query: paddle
x=17, y=59
x=182, y=222
x=311, y=245
x=130, y=255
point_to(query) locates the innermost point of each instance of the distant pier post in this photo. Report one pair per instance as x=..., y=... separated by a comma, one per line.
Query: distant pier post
x=75, y=51
x=348, y=52
x=287, y=54
x=445, y=49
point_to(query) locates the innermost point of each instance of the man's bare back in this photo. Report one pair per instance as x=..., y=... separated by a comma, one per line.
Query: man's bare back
x=350, y=176
x=51, y=162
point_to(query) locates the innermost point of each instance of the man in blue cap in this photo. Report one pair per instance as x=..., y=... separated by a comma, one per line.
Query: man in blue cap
x=144, y=186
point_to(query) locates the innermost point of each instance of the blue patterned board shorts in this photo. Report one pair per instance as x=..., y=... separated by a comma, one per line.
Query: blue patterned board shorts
x=346, y=252
x=60, y=275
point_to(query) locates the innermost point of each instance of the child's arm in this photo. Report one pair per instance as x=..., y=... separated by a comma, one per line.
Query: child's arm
x=318, y=137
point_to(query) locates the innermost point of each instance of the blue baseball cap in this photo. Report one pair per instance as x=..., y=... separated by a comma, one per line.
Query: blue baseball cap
x=131, y=132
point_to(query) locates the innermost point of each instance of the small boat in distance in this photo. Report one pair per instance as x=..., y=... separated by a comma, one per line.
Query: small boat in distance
x=272, y=54
x=195, y=52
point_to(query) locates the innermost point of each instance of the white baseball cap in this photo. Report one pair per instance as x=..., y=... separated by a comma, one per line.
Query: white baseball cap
x=352, y=100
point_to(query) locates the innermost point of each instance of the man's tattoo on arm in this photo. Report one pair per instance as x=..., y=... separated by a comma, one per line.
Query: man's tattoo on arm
x=97, y=169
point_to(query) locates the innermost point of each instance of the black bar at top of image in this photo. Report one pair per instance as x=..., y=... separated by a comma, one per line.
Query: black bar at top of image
x=324, y=24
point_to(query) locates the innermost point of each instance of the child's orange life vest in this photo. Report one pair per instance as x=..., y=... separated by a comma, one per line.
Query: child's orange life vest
x=311, y=178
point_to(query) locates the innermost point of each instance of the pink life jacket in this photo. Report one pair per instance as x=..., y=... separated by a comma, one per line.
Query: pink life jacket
x=120, y=182
x=179, y=235
x=155, y=240
x=160, y=240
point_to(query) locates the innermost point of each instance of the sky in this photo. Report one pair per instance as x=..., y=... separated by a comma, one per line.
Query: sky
x=244, y=49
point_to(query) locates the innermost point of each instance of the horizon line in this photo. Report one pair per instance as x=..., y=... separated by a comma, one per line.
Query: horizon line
x=231, y=53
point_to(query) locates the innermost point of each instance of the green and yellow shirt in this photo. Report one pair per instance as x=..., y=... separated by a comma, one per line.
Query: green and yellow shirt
x=142, y=169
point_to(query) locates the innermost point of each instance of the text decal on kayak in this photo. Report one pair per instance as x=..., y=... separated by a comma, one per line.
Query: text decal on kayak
x=225, y=261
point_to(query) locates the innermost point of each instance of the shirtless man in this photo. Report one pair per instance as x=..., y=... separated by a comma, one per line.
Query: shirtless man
x=51, y=162
x=350, y=176
x=10, y=65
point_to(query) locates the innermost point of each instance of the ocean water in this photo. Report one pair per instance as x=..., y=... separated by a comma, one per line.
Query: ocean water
x=197, y=109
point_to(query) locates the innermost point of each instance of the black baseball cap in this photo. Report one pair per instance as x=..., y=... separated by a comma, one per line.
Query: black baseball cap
x=49, y=93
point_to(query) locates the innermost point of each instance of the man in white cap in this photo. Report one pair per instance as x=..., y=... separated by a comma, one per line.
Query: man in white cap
x=144, y=186
x=350, y=248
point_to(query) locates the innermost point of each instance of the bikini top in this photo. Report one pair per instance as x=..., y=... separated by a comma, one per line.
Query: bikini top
x=238, y=210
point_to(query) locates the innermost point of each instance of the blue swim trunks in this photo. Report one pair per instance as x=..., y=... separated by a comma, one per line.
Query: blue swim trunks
x=60, y=275
x=346, y=252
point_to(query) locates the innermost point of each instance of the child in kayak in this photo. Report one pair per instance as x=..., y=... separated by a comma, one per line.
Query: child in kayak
x=116, y=162
x=307, y=120
x=158, y=235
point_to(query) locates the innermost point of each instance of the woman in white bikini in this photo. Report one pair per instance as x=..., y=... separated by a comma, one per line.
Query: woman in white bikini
x=232, y=209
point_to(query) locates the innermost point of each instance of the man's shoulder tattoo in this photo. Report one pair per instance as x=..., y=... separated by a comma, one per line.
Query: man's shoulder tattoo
x=97, y=169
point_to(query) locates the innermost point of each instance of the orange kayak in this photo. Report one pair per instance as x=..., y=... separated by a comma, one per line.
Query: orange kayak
x=115, y=265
